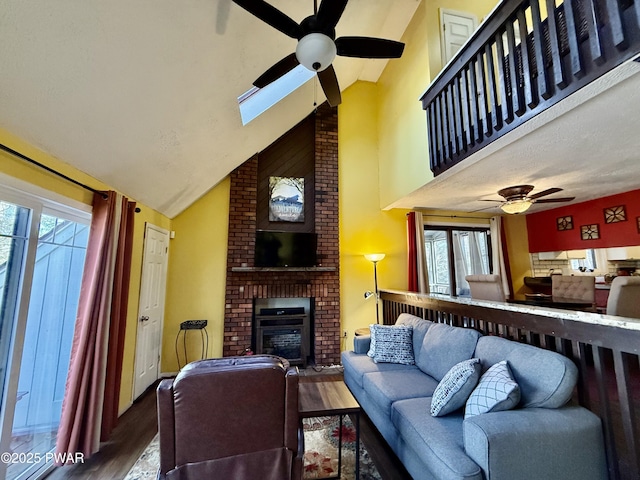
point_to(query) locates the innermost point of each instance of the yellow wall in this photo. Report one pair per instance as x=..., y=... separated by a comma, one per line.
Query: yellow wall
x=22, y=170
x=403, y=148
x=515, y=227
x=197, y=274
x=364, y=228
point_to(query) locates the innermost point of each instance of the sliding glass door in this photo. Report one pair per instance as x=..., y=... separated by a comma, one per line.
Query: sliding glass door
x=42, y=253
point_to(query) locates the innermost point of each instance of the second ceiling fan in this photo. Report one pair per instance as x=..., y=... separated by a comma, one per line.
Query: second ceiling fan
x=518, y=200
x=317, y=44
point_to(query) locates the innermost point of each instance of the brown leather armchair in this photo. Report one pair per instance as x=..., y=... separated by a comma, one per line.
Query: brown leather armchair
x=231, y=418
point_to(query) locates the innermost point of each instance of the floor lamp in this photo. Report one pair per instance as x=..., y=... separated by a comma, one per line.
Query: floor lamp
x=374, y=258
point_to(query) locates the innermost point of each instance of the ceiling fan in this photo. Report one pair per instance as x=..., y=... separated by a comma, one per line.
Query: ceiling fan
x=518, y=200
x=317, y=44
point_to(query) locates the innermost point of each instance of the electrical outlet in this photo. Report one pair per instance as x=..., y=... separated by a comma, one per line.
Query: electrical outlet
x=344, y=333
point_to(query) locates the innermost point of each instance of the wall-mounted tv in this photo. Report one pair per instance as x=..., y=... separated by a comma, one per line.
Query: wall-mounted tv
x=285, y=249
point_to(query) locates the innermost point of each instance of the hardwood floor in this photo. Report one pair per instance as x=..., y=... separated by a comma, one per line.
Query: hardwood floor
x=135, y=429
x=138, y=425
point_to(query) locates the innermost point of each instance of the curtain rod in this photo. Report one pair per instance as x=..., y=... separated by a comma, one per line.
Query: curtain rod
x=455, y=216
x=48, y=169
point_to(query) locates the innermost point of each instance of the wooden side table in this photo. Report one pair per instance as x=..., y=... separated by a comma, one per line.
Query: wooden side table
x=331, y=398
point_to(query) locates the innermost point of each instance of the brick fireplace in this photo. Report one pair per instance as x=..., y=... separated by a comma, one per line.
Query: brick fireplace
x=317, y=139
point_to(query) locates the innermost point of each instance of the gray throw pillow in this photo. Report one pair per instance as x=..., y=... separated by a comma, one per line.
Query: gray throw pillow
x=455, y=387
x=496, y=391
x=391, y=344
x=445, y=346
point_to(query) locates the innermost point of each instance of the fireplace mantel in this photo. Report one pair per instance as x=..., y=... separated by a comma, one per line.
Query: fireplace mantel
x=283, y=269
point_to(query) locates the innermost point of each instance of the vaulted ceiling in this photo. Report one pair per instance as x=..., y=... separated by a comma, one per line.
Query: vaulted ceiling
x=142, y=94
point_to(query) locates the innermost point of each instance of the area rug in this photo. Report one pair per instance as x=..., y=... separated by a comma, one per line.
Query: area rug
x=320, y=456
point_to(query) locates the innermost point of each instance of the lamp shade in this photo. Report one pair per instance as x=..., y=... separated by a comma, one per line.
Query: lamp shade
x=374, y=257
x=516, y=206
x=316, y=51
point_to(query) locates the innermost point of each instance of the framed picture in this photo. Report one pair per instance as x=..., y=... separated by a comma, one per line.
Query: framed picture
x=590, y=232
x=564, y=223
x=615, y=214
x=286, y=199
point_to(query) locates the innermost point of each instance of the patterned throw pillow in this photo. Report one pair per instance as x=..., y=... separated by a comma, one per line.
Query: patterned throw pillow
x=496, y=391
x=455, y=387
x=391, y=344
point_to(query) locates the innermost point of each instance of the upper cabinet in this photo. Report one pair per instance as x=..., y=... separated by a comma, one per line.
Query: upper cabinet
x=623, y=253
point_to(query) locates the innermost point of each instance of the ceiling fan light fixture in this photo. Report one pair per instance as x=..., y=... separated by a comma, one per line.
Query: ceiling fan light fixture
x=316, y=51
x=518, y=205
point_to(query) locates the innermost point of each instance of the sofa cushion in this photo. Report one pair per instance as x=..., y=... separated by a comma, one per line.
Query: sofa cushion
x=496, y=391
x=546, y=379
x=443, y=347
x=391, y=344
x=358, y=365
x=420, y=327
x=437, y=441
x=384, y=388
x=455, y=387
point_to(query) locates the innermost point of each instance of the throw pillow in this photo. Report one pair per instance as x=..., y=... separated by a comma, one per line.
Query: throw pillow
x=445, y=346
x=455, y=387
x=496, y=391
x=391, y=344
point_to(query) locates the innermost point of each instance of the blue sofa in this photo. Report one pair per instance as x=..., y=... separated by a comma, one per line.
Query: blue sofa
x=542, y=438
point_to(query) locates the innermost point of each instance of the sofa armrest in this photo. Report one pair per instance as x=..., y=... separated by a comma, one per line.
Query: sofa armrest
x=166, y=423
x=537, y=443
x=361, y=343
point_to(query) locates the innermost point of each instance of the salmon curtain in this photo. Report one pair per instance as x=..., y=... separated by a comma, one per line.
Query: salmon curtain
x=418, y=280
x=90, y=406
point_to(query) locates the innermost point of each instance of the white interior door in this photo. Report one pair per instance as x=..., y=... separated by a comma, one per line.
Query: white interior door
x=455, y=29
x=151, y=310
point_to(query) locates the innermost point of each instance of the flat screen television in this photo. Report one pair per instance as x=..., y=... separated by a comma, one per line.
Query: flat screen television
x=285, y=249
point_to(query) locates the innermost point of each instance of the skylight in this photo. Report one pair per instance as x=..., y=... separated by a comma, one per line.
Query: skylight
x=257, y=100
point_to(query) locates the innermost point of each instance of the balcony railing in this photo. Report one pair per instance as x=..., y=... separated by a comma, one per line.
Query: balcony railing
x=517, y=64
x=605, y=349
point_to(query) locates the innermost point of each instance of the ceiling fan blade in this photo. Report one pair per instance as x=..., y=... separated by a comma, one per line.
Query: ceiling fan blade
x=272, y=16
x=368, y=47
x=329, y=83
x=498, y=201
x=544, y=193
x=556, y=200
x=330, y=12
x=284, y=66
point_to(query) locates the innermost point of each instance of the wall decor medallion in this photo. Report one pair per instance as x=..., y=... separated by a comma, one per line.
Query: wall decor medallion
x=590, y=232
x=615, y=214
x=286, y=199
x=564, y=223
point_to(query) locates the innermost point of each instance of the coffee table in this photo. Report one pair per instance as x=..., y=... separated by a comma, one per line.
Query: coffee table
x=330, y=398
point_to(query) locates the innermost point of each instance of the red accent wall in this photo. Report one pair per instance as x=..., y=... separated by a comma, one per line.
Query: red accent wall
x=544, y=235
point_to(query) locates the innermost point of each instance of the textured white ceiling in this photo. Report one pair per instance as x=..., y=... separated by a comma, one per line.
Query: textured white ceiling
x=142, y=94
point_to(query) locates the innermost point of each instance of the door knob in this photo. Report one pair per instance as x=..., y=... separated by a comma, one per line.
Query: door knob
x=144, y=318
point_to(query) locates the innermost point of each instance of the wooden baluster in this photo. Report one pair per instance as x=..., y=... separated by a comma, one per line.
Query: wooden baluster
x=457, y=113
x=444, y=122
x=451, y=121
x=466, y=100
x=530, y=96
x=492, y=92
x=595, y=42
x=506, y=99
x=627, y=410
x=474, y=97
x=481, y=79
x=517, y=92
x=615, y=23
x=577, y=68
x=545, y=89
x=433, y=138
x=605, y=413
x=557, y=67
